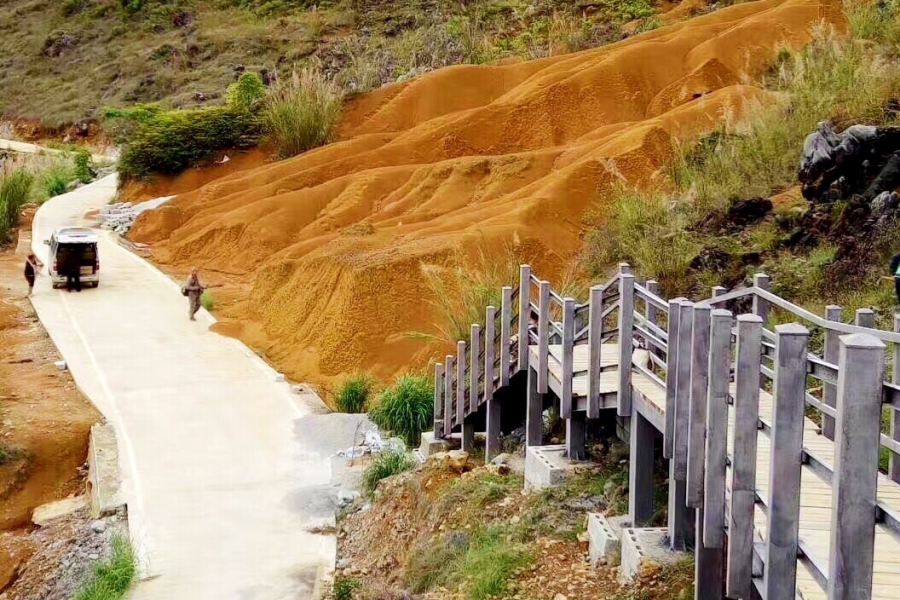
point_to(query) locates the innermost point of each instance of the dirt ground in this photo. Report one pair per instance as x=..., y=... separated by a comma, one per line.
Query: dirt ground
x=44, y=420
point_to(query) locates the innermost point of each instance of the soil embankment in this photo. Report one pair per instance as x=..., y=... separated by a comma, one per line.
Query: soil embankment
x=331, y=244
x=44, y=420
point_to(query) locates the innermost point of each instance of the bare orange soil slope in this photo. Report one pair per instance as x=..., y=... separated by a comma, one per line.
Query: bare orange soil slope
x=332, y=243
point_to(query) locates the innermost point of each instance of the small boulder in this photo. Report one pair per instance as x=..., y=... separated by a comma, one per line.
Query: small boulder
x=501, y=459
x=458, y=460
x=98, y=526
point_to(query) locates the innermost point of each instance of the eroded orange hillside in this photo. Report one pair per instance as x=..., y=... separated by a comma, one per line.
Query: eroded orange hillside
x=332, y=243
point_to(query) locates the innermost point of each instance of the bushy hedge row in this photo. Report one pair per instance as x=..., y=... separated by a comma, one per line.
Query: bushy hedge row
x=155, y=140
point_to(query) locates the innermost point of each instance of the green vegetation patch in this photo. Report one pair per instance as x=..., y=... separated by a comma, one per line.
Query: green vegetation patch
x=406, y=408
x=354, y=393
x=390, y=462
x=111, y=577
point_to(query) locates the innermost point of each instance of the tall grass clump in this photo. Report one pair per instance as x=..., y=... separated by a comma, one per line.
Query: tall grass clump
x=645, y=230
x=54, y=179
x=301, y=112
x=353, y=394
x=405, y=408
x=343, y=587
x=460, y=294
x=15, y=188
x=111, y=577
x=390, y=462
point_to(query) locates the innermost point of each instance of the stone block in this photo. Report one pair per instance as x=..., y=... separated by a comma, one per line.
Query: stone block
x=432, y=445
x=547, y=466
x=103, y=483
x=603, y=541
x=53, y=510
x=643, y=550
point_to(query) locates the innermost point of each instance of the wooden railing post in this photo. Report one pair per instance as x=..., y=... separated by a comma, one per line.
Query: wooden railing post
x=524, y=314
x=449, y=394
x=717, y=429
x=855, y=479
x=829, y=390
x=474, y=367
x=460, y=381
x=739, y=580
x=864, y=317
x=492, y=408
x=709, y=548
x=505, y=327
x=671, y=377
x=786, y=447
x=652, y=286
x=681, y=518
x=761, y=305
x=568, y=357
x=543, y=336
x=595, y=343
x=894, y=469
x=438, y=399
x=697, y=404
x=626, y=341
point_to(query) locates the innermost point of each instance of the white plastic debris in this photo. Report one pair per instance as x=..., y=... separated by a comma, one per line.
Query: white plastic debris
x=61, y=365
x=279, y=377
x=373, y=443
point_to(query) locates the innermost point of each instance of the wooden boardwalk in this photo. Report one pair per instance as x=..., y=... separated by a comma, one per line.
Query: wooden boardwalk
x=706, y=383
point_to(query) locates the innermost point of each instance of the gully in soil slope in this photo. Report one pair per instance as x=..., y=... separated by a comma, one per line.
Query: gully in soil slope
x=332, y=243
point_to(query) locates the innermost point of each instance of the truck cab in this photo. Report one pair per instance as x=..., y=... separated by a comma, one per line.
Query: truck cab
x=77, y=244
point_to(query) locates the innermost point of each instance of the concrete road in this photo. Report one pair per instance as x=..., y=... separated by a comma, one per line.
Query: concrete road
x=26, y=148
x=225, y=471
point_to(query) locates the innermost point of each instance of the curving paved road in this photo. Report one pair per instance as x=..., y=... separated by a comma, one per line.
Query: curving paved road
x=224, y=470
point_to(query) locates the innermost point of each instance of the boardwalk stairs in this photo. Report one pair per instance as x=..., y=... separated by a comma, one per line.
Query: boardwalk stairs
x=775, y=504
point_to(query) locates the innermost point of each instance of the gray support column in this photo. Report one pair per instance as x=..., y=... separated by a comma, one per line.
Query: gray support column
x=894, y=469
x=438, y=399
x=640, y=471
x=718, y=290
x=449, y=394
x=739, y=582
x=709, y=564
x=785, y=462
x=855, y=478
x=524, y=314
x=534, y=409
x=626, y=341
x=576, y=426
x=671, y=377
x=829, y=390
x=681, y=518
x=505, y=334
x=760, y=305
x=717, y=431
x=595, y=342
x=697, y=410
x=865, y=317
x=468, y=434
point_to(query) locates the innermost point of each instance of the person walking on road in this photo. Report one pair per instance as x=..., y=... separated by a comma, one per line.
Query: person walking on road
x=33, y=266
x=193, y=289
x=73, y=274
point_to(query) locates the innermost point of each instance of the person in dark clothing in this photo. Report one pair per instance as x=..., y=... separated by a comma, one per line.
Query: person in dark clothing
x=895, y=273
x=33, y=266
x=73, y=274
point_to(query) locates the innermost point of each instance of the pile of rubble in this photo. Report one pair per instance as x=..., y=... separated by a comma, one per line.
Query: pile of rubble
x=118, y=217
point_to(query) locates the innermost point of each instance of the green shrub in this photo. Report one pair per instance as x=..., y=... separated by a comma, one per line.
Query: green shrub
x=111, y=577
x=343, y=587
x=406, y=408
x=390, y=462
x=244, y=93
x=84, y=166
x=353, y=394
x=207, y=301
x=301, y=112
x=15, y=188
x=170, y=141
x=54, y=180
